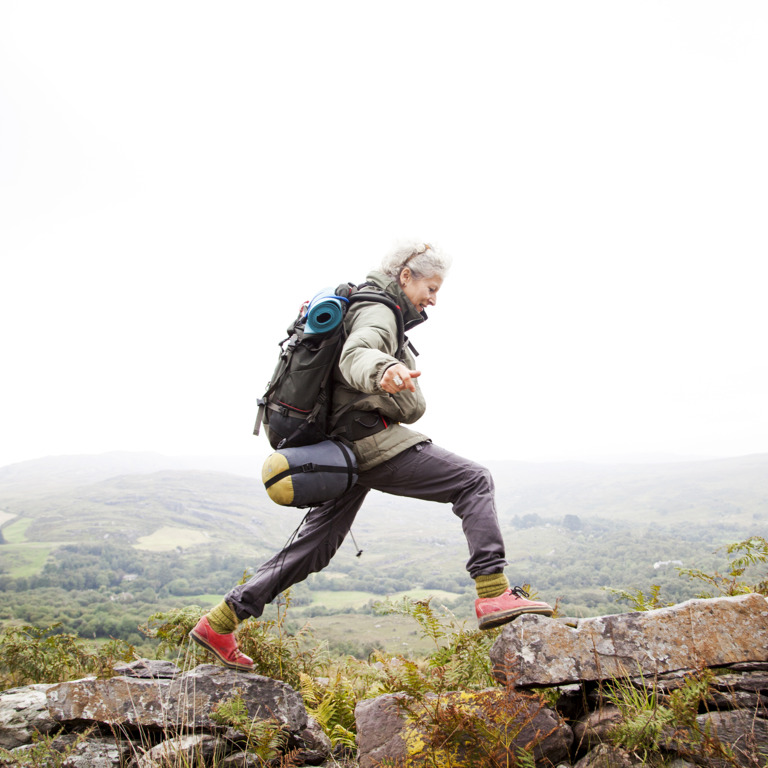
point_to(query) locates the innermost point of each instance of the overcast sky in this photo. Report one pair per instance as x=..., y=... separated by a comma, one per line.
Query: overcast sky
x=176, y=177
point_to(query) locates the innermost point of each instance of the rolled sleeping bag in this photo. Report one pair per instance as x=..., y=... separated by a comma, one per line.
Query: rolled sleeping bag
x=307, y=475
x=325, y=312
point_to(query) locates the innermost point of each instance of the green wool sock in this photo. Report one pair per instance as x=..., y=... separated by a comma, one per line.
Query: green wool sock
x=491, y=585
x=222, y=619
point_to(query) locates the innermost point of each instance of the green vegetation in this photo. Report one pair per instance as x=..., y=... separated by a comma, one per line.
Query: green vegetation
x=31, y=654
x=646, y=722
x=96, y=553
x=107, y=589
x=42, y=753
x=745, y=574
x=460, y=716
x=16, y=532
x=265, y=739
x=25, y=560
x=168, y=538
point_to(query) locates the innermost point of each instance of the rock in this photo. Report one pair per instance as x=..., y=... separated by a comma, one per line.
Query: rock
x=747, y=690
x=534, y=650
x=23, y=712
x=593, y=729
x=739, y=731
x=744, y=733
x=312, y=743
x=750, y=666
x=488, y=724
x=380, y=722
x=606, y=756
x=147, y=668
x=241, y=760
x=91, y=751
x=183, y=750
x=744, y=681
x=182, y=702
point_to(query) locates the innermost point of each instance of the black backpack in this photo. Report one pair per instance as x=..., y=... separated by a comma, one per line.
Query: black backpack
x=296, y=405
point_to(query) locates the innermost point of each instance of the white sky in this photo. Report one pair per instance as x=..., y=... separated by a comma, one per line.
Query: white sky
x=176, y=177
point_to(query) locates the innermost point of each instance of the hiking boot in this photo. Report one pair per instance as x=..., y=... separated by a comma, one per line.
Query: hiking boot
x=493, y=611
x=223, y=647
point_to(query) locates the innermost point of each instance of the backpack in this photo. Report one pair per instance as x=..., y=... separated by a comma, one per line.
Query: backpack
x=296, y=405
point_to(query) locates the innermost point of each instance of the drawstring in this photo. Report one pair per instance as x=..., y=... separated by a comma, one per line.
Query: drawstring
x=293, y=536
x=359, y=551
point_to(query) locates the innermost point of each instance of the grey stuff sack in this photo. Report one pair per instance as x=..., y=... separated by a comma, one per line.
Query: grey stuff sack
x=307, y=475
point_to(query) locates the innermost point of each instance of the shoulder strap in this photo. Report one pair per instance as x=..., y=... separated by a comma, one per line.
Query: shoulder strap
x=364, y=293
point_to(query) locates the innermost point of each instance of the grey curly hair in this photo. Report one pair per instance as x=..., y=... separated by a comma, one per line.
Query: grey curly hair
x=423, y=259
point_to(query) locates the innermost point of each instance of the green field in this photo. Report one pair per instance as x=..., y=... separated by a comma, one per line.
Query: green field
x=24, y=560
x=16, y=532
x=206, y=601
x=395, y=635
x=169, y=538
x=353, y=599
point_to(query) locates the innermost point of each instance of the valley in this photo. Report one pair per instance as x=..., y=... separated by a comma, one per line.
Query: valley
x=100, y=544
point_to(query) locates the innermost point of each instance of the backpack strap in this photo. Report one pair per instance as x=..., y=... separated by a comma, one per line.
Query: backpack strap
x=364, y=293
x=286, y=348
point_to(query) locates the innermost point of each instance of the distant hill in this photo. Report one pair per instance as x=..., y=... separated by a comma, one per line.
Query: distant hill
x=59, y=471
x=734, y=488
x=131, y=493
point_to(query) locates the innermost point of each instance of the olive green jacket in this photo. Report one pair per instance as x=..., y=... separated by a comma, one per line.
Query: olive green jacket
x=369, y=350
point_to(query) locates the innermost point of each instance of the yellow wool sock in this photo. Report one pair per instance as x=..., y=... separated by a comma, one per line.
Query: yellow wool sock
x=491, y=585
x=222, y=619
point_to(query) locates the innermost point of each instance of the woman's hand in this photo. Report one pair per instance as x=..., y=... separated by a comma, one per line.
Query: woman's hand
x=397, y=378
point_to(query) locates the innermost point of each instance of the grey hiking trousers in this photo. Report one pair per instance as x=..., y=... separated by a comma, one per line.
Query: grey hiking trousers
x=423, y=471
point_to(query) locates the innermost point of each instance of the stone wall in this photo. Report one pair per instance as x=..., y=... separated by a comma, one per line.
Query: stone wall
x=553, y=675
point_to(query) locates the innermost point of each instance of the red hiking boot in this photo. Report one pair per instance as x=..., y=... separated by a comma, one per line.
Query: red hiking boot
x=493, y=611
x=223, y=647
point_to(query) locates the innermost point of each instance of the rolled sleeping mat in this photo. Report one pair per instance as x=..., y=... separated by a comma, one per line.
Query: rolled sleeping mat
x=307, y=475
x=325, y=312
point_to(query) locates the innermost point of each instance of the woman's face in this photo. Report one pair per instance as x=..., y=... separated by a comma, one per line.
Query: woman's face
x=422, y=291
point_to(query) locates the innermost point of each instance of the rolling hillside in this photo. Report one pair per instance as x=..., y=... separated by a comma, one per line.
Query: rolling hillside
x=159, y=531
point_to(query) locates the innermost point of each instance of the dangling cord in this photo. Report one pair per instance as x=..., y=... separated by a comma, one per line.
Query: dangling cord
x=290, y=541
x=359, y=551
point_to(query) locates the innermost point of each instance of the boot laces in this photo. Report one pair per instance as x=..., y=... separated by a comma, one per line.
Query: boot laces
x=519, y=592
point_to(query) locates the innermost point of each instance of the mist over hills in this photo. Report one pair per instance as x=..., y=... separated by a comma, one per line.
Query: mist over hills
x=77, y=469
x=737, y=475
x=129, y=495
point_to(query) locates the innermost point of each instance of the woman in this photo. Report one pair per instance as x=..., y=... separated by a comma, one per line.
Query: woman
x=375, y=394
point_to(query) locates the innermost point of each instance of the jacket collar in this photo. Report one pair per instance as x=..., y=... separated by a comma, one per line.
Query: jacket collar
x=411, y=316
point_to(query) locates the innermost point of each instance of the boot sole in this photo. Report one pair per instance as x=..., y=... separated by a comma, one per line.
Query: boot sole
x=208, y=647
x=504, y=617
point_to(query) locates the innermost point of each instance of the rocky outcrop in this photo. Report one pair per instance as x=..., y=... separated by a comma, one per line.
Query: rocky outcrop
x=576, y=661
x=573, y=728
x=181, y=701
x=151, y=709
x=23, y=713
x=535, y=651
x=400, y=729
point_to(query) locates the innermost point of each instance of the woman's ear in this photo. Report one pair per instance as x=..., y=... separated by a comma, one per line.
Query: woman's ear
x=405, y=276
